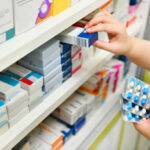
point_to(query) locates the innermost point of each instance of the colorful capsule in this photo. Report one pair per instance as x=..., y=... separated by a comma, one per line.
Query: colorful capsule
x=129, y=116
x=148, y=115
x=136, y=108
x=144, y=111
x=129, y=106
x=132, y=82
x=138, y=85
x=137, y=117
x=143, y=101
x=129, y=95
x=136, y=98
x=145, y=90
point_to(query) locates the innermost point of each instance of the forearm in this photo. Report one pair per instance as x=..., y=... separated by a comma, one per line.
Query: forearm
x=140, y=52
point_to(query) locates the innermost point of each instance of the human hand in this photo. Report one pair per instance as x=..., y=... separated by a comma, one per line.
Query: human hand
x=144, y=128
x=119, y=41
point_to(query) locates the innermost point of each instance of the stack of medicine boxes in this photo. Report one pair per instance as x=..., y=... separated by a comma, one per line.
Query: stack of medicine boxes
x=30, y=81
x=46, y=60
x=66, y=61
x=16, y=99
x=3, y=118
x=71, y=59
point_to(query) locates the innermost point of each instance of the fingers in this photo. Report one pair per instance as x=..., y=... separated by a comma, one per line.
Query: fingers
x=102, y=17
x=104, y=45
x=144, y=128
x=103, y=28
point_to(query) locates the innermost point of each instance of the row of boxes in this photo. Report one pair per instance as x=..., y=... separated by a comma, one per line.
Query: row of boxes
x=30, y=81
x=14, y=102
x=18, y=16
x=18, y=92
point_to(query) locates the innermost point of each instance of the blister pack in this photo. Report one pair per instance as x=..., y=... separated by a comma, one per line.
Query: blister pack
x=135, y=100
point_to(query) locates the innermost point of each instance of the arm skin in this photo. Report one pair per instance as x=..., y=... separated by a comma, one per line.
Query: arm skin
x=140, y=52
x=120, y=42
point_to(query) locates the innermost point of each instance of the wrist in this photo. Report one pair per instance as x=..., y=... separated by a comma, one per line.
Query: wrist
x=130, y=49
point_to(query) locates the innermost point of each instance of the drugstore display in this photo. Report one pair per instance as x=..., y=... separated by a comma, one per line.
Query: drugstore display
x=71, y=116
x=62, y=79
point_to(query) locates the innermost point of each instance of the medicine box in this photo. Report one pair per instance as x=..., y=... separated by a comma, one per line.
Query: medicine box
x=75, y=49
x=70, y=111
x=3, y=110
x=52, y=84
x=58, y=126
x=67, y=71
x=89, y=99
x=27, y=14
x=29, y=80
x=42, y=62
x=18, y=116
x=35, y=96
x=37, y=144
x=67, y=77
x=8, y=87
x=15, y=112
x=77, y=36
x=6, y=20
x=41, y=70
x=119, y=67
x=3, y=118
x=3, y=127
x=65, y=56
x=76, y=62
x=57, y=70
x=46, y=50
x=77, y=126
x=47, y=135
x=66, y=64
x=64, y=47
x=18, y=99
x=59, y=6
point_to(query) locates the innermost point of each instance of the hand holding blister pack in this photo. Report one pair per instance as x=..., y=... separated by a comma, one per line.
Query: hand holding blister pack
x=135, y=100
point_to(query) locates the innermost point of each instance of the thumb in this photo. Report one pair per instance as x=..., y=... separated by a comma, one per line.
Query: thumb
x=105, y=45
x=144, y=128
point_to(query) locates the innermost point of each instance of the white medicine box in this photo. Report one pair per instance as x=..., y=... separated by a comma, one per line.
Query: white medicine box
x=28, y=13
x=6, y=20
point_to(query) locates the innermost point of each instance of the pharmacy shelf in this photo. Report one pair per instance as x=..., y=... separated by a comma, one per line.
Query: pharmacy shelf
x=21, y=45
x=52, y=101
x=96, y=123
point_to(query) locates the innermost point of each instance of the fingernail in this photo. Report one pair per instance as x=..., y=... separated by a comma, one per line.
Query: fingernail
x=88, y=30
x=86, y=27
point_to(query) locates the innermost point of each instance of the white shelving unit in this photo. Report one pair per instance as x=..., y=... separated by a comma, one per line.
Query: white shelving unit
x=52, y=101
x=23, y=44
x=96, y=124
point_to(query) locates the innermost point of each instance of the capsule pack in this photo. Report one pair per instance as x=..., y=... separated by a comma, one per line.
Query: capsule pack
x=135, y=100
